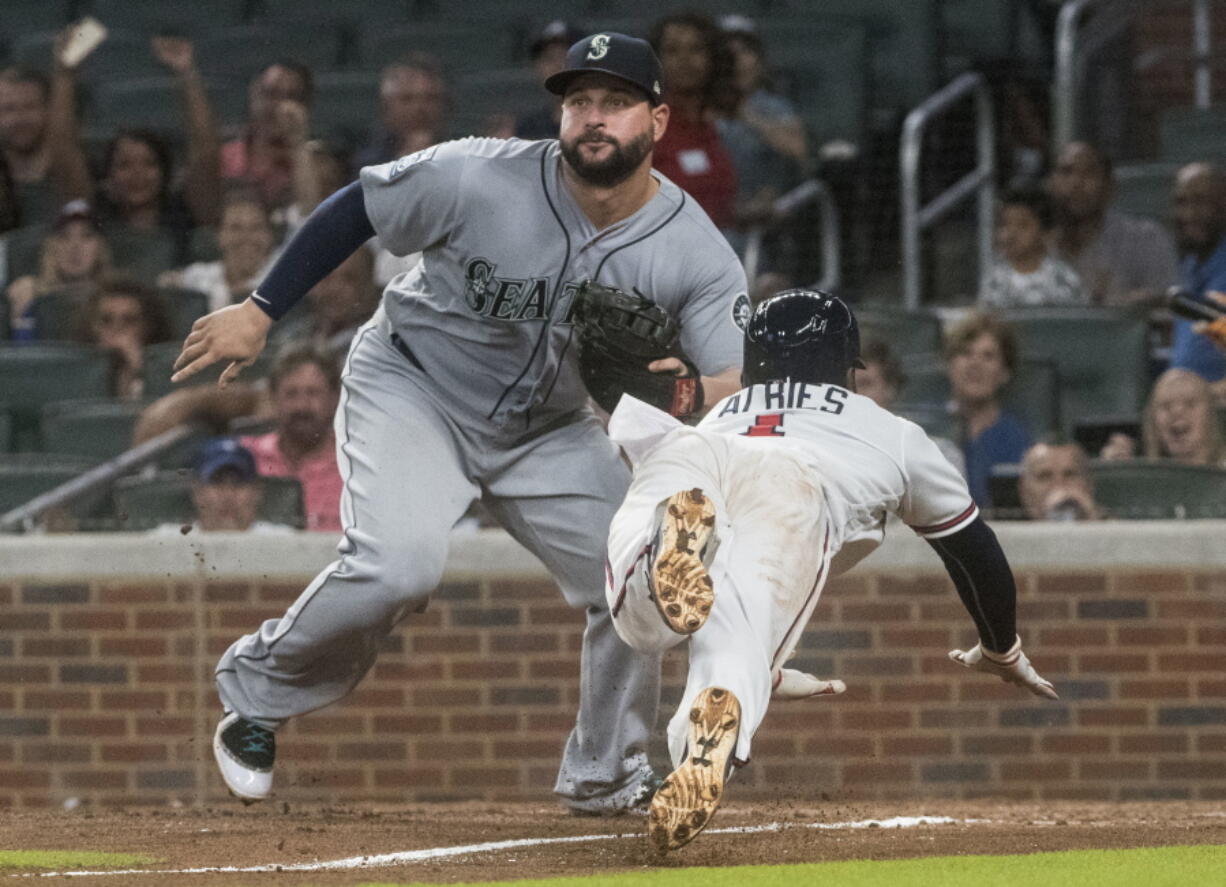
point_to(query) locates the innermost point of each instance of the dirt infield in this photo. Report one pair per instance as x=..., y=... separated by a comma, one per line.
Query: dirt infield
x=281, y=835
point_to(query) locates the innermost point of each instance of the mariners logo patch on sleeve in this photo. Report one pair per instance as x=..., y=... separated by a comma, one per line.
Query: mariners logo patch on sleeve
x=408, y=160
x=741, y=309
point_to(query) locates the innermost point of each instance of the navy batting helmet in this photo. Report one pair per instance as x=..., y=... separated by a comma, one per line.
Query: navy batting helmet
x=805, y=335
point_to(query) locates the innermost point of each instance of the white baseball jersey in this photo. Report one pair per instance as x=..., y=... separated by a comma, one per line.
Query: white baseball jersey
x=871, y=462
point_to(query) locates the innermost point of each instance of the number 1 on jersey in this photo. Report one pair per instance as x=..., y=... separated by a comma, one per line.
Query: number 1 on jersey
x=766, y=425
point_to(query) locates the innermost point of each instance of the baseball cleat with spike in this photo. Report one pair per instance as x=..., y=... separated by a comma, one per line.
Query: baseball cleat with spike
x=685, y=802
x=685, y=544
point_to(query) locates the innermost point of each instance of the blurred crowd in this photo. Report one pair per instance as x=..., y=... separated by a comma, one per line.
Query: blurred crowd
x=111, y=244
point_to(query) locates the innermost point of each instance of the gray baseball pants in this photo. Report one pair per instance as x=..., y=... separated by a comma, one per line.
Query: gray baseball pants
x=412, y=464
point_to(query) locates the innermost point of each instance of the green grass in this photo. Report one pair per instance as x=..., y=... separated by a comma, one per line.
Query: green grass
x=1145, y=867
x=69, y=859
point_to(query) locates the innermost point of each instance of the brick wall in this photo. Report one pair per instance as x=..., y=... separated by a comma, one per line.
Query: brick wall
x=105, y=694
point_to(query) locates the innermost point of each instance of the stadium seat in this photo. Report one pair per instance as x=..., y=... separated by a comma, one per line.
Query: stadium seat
x=1101, y=355
x=24, y=246
x=142, y=254
x=1033, y=395
x=187, y=17
x=6, y=428
x=239, y=52
x=24, y=16
x=391, y=13
x=907, y=333
x=1159, y=490
x=156, y=103
x=1145, y=189
x=144, y=503
x=58, y=315
x=1190, y=134
x=124, y=54
x=452, y=43
x=903, y=42
x=480, y=95
x=828, y=78
x=37, y=373
x=979, y=29
x=346, y=105
x=159, y=358
x=185, y=307
x=26, y=475
x=100, y=429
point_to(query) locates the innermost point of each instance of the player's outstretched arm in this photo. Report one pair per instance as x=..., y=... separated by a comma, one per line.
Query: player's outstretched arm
x=237, y=333
x=981, y=574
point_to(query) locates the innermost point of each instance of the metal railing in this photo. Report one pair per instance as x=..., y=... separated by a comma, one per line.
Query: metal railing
x=25, y=517
x=810, y=191
x=980, y=182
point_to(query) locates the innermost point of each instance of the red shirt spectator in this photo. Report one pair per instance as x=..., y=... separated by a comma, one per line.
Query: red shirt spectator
x=692, y=155
x=316, y=471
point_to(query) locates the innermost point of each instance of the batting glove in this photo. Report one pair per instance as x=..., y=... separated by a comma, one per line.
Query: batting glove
x=790, y=684
x=1012, y=667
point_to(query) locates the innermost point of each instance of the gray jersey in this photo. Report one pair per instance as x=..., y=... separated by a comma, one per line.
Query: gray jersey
x=504, y=247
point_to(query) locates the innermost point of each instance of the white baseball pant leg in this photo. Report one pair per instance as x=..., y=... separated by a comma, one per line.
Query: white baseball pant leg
x=768, y=572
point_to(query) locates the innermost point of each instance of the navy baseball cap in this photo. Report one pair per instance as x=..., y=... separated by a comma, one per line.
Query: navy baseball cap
x=626, y=58
x=224, y=452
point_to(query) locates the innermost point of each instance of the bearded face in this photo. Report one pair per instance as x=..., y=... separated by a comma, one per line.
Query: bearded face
x=602, y=160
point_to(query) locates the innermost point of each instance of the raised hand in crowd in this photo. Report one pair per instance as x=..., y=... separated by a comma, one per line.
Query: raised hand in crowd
x=202, y=176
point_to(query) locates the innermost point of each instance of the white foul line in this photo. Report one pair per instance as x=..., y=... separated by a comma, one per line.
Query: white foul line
x=410, y=856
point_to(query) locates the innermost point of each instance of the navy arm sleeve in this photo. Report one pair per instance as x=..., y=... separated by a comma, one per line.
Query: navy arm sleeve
x=980, y=572
x=332, y=233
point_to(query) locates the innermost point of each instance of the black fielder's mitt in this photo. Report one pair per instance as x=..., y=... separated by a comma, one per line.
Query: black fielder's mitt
x=619, y=334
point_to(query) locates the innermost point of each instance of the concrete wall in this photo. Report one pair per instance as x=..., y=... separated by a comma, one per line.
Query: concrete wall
x=107, y=645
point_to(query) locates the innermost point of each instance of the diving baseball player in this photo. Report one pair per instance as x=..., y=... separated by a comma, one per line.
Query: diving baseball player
x=465, y=384
x=730, y=530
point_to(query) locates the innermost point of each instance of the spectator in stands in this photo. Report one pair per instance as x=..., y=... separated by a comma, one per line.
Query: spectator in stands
x=1055, y=484
x=300, y=399
x=73, y=258
x=1024, y=274
x=882, y=377
x=321, y=168
x=1200, y=227
x=10, y=216
x=304, y=386
x=38, y=138
x=1180, y=422
x=335, y=308
x=278, y=99
x=548, y=53
x=698, y=88
x=981, y=355
x=1121, y=259
x=125, y=316
x=413, y=101
x=245, y=238
x=765, y=136
x=226, y=492
x=201, y=179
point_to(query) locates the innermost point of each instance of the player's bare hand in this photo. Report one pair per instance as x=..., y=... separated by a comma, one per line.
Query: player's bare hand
x=672, y=365
x=1012, y=667
x=790, y=685
x=236, y=333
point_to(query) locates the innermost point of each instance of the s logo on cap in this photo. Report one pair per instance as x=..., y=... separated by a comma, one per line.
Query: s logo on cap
x=599, y=47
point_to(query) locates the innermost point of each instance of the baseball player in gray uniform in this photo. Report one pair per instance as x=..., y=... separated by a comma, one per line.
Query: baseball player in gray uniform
x=464, y=385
